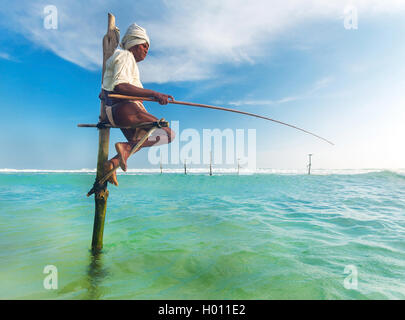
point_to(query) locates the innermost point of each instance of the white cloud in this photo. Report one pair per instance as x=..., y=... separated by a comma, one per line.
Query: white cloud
x=189, y=38
x=322, y=83
x=6, y=56
x=250, y=102
x=318, y=85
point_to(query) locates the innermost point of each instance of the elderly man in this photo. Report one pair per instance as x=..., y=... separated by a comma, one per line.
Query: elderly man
x=122, y=77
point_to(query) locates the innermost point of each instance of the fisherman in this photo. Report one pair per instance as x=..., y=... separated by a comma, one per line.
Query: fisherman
x=121, y=76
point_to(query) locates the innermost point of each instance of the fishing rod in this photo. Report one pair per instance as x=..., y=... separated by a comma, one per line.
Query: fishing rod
x=120, y=96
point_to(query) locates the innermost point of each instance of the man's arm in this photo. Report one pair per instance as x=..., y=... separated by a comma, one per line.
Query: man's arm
x=131, y=90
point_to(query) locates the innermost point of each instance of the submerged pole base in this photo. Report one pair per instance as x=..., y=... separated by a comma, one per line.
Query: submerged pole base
x=99, y=218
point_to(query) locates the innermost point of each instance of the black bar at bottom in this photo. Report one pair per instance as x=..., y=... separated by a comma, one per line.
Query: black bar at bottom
x=207, y=309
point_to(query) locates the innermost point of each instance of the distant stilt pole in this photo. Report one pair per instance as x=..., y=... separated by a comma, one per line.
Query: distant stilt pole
x=185, y=166
x=161, y=168
x=210, y=163
x=309, y=164
x=110, y=43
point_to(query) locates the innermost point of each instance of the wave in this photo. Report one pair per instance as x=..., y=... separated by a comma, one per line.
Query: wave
x=224, y=171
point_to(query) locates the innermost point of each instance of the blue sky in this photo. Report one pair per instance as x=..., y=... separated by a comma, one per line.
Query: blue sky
x=290, y=60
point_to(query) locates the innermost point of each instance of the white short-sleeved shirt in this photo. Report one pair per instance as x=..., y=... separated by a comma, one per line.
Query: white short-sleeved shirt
x=121, y=67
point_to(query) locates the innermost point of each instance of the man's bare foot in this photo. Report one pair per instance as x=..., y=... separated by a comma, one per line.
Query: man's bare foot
x=123, y=150
x=108, y=165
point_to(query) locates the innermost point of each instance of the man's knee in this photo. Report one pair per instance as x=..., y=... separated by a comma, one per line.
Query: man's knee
x=163, y=135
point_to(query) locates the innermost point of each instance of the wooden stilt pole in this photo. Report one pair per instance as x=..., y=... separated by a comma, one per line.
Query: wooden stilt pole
x=210, y=163
x=110, y=43
x=100, y=196
x=309, y=164
x=161, y=167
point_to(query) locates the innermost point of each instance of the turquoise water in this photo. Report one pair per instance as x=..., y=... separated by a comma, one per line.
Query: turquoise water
x=171, y=236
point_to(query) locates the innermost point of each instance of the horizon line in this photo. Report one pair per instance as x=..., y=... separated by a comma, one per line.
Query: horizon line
x=218, y=170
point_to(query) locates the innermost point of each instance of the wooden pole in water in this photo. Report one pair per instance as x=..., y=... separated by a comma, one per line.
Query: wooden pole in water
x=161, y=167
x=110, y=43
x=309, y=164
x=210, y=163
x=185, y=166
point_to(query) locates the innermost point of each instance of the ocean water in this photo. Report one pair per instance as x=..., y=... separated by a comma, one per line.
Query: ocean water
x=171, y=236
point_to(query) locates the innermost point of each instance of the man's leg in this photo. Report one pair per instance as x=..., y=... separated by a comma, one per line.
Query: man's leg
x=159, y=137
x=127, y=114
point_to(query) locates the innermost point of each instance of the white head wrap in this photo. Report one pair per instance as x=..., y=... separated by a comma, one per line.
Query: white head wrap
x=134, y=35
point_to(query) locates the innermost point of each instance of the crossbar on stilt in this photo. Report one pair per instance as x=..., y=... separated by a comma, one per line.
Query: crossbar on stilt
x=104, y=125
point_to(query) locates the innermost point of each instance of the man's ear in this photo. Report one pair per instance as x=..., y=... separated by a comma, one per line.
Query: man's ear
x=132, y=49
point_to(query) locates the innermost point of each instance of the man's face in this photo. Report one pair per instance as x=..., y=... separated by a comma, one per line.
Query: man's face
x=140, y=51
